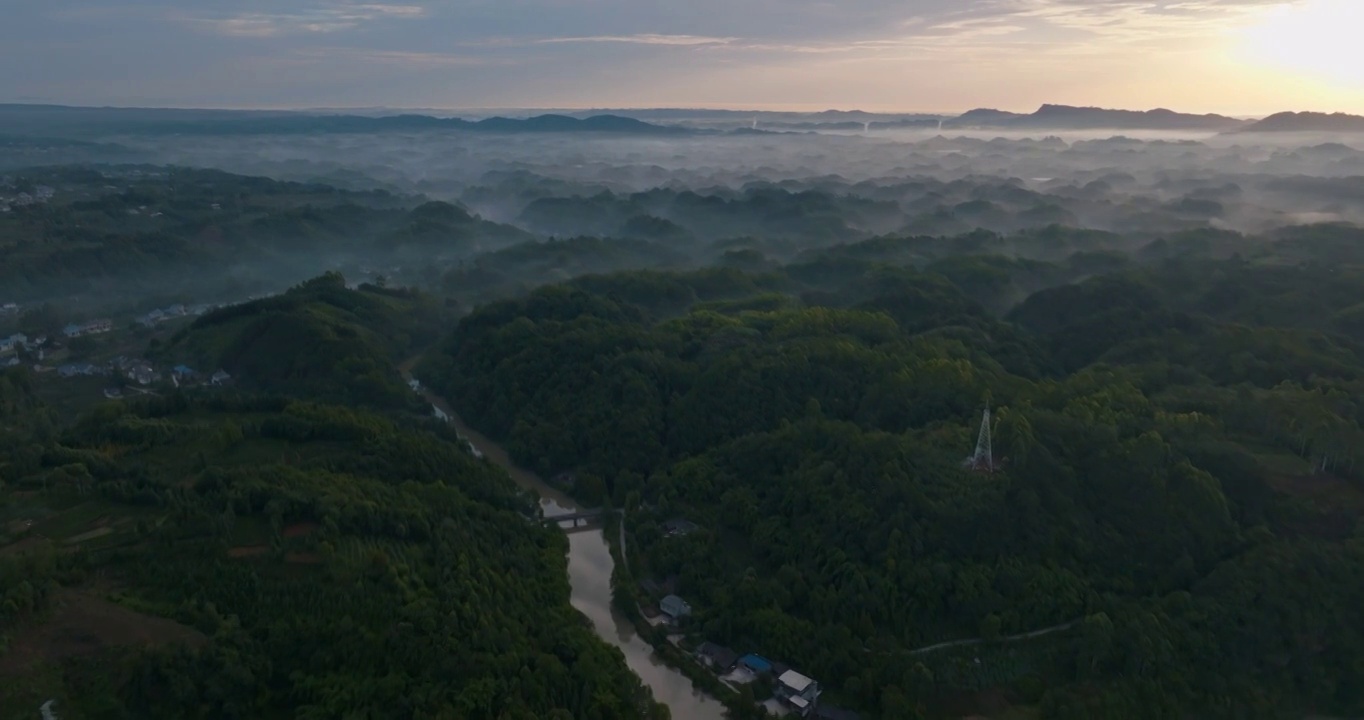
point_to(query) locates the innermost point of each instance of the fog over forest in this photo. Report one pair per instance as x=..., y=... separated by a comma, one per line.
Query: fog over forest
x=1026, y=417
x=717, y=185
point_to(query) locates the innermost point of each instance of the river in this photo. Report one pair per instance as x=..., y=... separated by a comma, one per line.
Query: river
x=589, y=574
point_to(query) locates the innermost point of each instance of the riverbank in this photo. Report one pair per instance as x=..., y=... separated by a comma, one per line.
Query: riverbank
x=592, y=568
x=625, y=596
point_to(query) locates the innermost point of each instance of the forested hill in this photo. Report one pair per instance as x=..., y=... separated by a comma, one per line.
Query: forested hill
x=1179, y=467
x=129, y=232
x=222, y=556
x=318, y=340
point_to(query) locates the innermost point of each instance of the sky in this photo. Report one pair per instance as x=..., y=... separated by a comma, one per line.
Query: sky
x=1241, y=57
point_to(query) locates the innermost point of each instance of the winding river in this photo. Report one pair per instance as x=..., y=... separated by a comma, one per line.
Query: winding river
x=589, y=573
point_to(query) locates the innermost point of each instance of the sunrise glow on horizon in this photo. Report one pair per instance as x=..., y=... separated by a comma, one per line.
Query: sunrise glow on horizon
x=1236, y=57
x=1316, y=41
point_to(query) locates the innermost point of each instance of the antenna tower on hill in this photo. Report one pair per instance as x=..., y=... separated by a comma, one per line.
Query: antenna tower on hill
x=983, y=460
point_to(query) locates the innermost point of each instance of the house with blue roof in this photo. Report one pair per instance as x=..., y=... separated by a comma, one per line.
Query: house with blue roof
x=756, y=663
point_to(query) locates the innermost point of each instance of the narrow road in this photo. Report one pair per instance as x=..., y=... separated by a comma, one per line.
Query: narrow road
x=623, y=559
x=980, y=641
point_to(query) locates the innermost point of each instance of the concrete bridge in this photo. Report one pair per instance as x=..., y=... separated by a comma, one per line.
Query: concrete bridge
x=582, y=518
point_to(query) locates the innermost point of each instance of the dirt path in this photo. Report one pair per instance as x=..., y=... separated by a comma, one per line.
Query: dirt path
x=981, y=641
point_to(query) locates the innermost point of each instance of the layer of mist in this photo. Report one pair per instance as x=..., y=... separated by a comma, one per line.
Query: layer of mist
x=519, y=209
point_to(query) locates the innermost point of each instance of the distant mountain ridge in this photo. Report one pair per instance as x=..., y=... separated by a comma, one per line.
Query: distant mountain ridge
x=93, y=122
x=359, y=124
x=1046, y=117
x=1307, y=122
x=84, y=120
x=1068, y=117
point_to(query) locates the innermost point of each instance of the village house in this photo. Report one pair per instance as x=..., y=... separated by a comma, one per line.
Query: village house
x=679, y=526
x=9, y=309
x=798, y=691
x=132, y=368
x=161, y=315
x=94, y=327
x=674, y=607
x=756, y=663
x=13, y=343
x=143, y=374
x=719, y=658
x=9, y=362
x=74, y=370
x=220, y=378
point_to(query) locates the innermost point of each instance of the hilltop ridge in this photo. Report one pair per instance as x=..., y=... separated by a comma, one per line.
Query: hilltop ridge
x=1308, y=122
x=1072, y=117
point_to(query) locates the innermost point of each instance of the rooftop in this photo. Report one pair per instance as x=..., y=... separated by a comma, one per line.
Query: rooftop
x=795, y=680
x=756, y=662
x=719, y=654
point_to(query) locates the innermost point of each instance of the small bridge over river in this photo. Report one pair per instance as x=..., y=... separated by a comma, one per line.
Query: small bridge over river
x=578, y=520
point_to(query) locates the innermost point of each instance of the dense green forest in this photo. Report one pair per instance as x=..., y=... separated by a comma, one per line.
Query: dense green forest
x=1175, y=509
x=247, y=557
x=124, y=232
x=317, y=340
x=1177, y=434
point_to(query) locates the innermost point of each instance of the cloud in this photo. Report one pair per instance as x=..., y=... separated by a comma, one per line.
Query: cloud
x=406, y=59
x=988, y=28
x=642, y=39
x=1026, y=30
x=317, y=18
x=905, y=53
x=1084, y=22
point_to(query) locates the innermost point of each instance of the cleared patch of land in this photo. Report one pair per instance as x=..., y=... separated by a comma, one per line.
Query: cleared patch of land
x=83, y=624
x=299, y=529
x=32, y=542
x=1324, y=490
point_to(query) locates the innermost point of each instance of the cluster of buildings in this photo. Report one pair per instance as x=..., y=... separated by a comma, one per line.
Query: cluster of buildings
x=71, y=370
x=793, y=692
x=93, y=327
x=135, y=370
x=10, y=347
x=140, y=372
x=161, y=315
x=40, y=194
x=183, y=375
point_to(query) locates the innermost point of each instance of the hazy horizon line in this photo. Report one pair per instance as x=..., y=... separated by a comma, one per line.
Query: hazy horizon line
x=785, y=109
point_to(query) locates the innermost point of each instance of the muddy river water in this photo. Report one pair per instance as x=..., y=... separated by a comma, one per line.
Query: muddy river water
x=589, y=573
